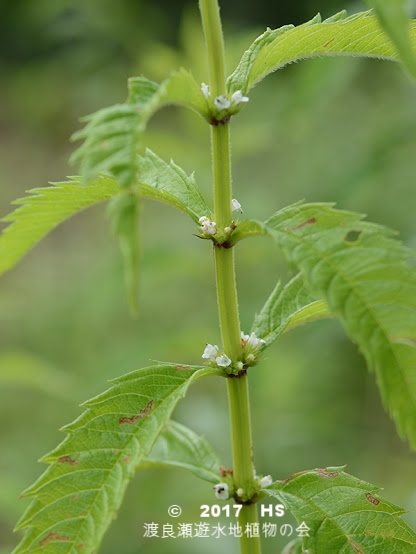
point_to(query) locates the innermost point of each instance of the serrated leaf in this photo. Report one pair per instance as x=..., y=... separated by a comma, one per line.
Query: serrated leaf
x=343, y=514
x=170, y=184
x=77, y=497
x=111, y=142
x=361, y=272
x=179, y=89
x=288, y=307
x=124, y=210
x=393, y=18
x=112, y=136
x=358, y=35
x=180, y=447
x=43, y=211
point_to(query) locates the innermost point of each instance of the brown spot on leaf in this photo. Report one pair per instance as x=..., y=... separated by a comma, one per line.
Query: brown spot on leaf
x=328, y=474
x=182, y=367
x=104, y=144
x=328, y=43
x=126, y=459
x=147, y=409
x=68, y=460
x=80, y=546
x=143, y=413
x=53, y=537
x=371, y=499
x=310, y=221
x=129, y=420
x=75, y=497
x=224, y=471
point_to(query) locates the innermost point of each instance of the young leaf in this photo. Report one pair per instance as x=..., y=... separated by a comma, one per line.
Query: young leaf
x=342, y=514
x=286, y=308
x=43, y=211
x=361, y=272
x=393, y=18
x=112, y=135
x=170, y=184
x=77, y=497
x=123, y=211
x=358, y=35
x=178, y=446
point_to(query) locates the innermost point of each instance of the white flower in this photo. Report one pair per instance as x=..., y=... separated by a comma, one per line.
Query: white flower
x=236, y=206
x=238, y=98
x=266, y=481
x=208, y=227
x=205, y=90
x=210, y=352
x=221, y=491
x=223, y=361
x=254, y=342
x=251, y=340
x=222, y=102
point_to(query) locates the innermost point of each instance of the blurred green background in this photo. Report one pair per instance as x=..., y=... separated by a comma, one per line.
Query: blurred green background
x=340, y=130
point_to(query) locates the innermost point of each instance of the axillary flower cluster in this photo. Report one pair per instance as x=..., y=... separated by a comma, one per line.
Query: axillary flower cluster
x=223, y=107
x=209, y=228
x=226, y=488
x=251, y=349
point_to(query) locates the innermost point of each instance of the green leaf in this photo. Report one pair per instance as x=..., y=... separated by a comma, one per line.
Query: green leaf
x=111, y=142
x=361, y=272
x=343, y=514
x=43, y=211
x=393, y=18
x=178, y=446
x=246, y=229
x=124, y=211
x=179, y=89
x=77, y=497
x=112, y=136
x=358, y=35
x=170, y=184
x=286, y=308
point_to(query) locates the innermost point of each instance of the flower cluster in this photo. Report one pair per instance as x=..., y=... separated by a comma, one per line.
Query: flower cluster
x=251, y=344
x=224, y=105
x=212, y=353
x=208, y=227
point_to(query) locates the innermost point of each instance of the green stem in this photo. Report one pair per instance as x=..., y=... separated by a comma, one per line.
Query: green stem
x=243, y=468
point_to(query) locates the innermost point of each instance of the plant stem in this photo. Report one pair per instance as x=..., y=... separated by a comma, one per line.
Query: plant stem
x=243, y=468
